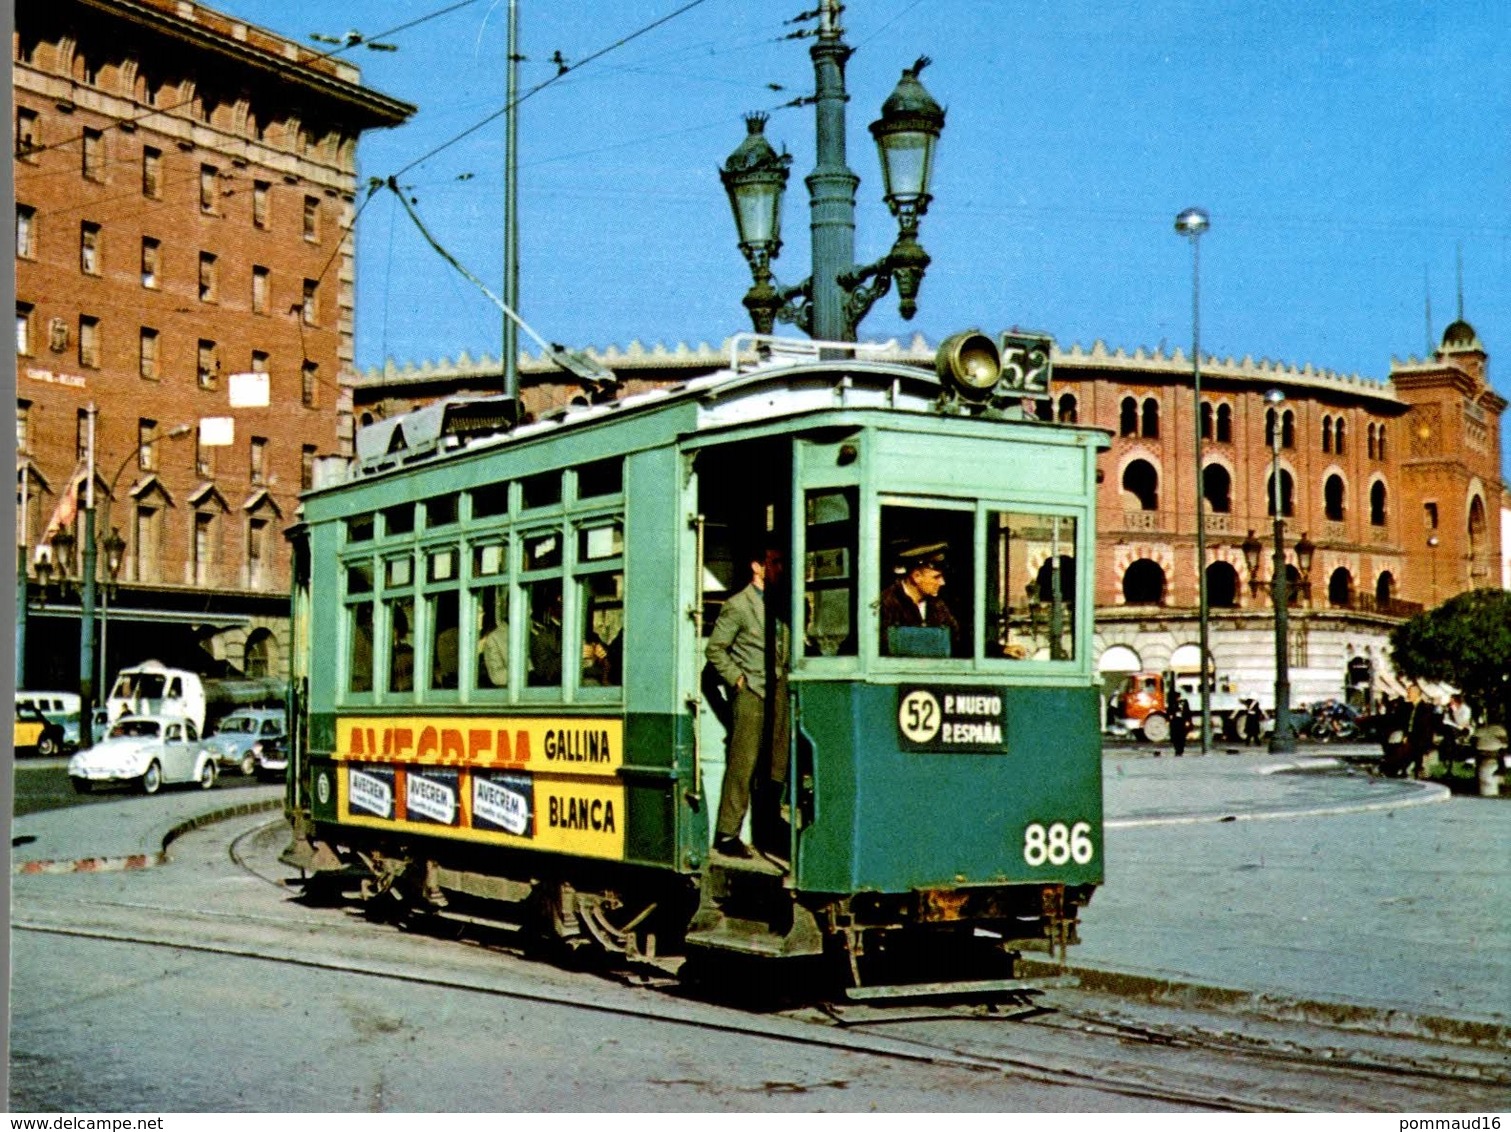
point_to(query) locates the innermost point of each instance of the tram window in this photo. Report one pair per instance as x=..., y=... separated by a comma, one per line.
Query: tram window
x=489, y=500
x=398, y=571
x=490, y=558
x=829, y=572
x=1030, y=586
x=360, y=660
x=445, y=627
x=440, y=511
x=491, y=606
x=606, y=477
x=442, y=565
x=928, y=589
x=401, y=645
x=398, y=520
x=543, y=656
x=602, y=599
x=359, y=578
x=359, y=528
x=543, y=490
x=602, y=541
x=543, y=552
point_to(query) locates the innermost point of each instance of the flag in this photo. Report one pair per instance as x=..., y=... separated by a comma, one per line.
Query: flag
x=67, y=509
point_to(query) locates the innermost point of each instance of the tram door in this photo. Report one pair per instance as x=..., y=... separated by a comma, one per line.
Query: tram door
x=745, y=498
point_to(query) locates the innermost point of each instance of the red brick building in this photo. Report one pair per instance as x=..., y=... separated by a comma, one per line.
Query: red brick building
x=1397, y=483
x=184, y=185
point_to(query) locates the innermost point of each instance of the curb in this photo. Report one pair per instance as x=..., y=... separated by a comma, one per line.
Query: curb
x=145, y=860
x=1278, y=1007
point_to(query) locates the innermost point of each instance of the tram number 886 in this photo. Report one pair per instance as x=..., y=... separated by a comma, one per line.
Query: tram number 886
x=1057, y=844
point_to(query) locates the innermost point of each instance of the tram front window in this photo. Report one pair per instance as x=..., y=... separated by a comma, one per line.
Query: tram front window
x=929, y=592
x=1030, y=586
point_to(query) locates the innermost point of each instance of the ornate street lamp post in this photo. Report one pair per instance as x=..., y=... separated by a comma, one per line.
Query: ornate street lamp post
x=115, y=552
x=830, y=304
x=1191, y=223
x=1282, y=741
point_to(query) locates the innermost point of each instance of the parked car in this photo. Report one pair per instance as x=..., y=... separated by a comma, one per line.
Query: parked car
x=70, y=726
x=272, y=757
x=236, y=734
x=35, y=732
x=54, y=705
x=145, y=751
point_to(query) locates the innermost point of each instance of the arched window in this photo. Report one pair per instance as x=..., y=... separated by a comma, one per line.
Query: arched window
x=1128, y=418
x=1340, y=589
x=1327, y=434
x=1217, y=488
x=1292, y=585
x=1369, y=434
x=1288, y=429
x=1287, y=494
x=1225, y=424
x=1380, y=444
x=1151, y=418
x=1338, y=437
x=1269, y=428
x=1206, y=420
x=1068, y=414
x=1144, y=583
x=259, y=653
x=1385, y=590
x=1332, y=498
x=1477, y=547
x=1222, y=586
x=1377, y=504
x=1141, y=483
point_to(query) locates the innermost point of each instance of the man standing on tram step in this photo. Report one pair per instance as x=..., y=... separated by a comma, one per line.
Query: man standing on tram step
x=751, y=663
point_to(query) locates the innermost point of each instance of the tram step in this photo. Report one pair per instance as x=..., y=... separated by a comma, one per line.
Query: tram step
x=962, y=989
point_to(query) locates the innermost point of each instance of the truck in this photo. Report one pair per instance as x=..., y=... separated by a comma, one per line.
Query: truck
x=152, y=688
x=1142, y=704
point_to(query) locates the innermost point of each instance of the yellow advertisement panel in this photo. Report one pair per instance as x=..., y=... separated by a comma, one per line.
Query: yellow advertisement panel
x=564, y=814
x=561, y=745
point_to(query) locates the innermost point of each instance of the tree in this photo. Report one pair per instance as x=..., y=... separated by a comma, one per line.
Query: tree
x=1465, y=642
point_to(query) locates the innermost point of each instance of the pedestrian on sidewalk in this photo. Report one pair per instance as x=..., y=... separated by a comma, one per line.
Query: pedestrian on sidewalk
x=1253, y=722
x=1180, y=724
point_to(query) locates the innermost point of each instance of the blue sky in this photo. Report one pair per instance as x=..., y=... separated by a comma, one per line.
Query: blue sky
x=1344, y=151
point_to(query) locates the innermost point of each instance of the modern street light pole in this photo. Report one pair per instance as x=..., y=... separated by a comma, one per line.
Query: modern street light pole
x=1191, y=223
x=1282, y=741
x=830, y=304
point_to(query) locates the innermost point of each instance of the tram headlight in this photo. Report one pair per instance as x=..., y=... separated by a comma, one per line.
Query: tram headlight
x=969, y=364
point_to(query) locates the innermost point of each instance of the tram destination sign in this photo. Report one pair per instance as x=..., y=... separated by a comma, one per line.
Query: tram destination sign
x=951, y=719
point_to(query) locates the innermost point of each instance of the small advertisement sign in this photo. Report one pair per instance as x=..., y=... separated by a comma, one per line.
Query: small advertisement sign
x=369, y=790
x=950, y=719
x=503, y=802
x=430, y=795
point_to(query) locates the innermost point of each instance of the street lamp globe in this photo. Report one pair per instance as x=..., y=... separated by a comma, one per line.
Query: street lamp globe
x=755, y=176
x=62, y=551
x=1273, y=397
x=115, y=551
x=1305, y=549
x=1192, y=222
x=906, y=133
x=1252, y=548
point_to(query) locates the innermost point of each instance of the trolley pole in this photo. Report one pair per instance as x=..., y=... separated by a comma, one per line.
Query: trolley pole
x=511, y=208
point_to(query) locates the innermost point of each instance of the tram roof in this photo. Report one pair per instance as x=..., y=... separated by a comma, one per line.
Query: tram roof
x=748, y=392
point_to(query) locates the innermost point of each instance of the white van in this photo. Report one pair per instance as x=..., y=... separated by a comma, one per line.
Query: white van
x=57, y=706
x=152, y=688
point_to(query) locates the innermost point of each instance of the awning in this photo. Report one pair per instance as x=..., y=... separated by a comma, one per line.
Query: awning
x=116, y=615
x=1387, y=684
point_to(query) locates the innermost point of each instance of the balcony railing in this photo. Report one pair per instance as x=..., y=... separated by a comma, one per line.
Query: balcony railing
x=1143, y=521
x=1369, y=603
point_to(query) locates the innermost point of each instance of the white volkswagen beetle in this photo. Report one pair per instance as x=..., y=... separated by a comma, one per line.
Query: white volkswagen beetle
x=147, y=751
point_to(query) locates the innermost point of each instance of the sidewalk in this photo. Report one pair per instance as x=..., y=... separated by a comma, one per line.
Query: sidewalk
x=128, y=834
x=1307, y=880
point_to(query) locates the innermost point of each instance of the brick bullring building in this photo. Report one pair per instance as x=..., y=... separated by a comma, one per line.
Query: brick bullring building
x=1396, y=482
x=184, y=185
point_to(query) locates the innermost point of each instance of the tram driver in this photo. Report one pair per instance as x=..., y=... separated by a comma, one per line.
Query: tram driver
x=912, y=602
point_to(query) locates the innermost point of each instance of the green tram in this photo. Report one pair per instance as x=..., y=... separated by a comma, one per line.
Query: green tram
x=502, y=710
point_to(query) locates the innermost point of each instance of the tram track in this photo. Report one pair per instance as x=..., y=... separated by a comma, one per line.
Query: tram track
x=1053, y=1046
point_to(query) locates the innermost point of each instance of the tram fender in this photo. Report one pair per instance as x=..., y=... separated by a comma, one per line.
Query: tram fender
x=311, y=855
x=719, y=931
